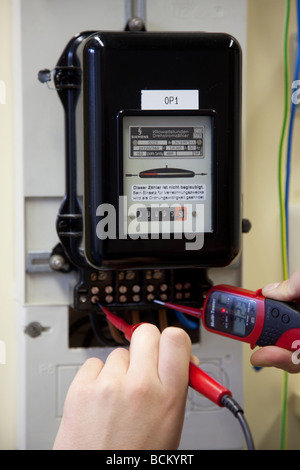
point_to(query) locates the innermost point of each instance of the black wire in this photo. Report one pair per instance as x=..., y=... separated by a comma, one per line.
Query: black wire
x=88, y=339
x=98, y=325
x=98, y=331
x=78, y=324
x=238, y=412
x=248, y=437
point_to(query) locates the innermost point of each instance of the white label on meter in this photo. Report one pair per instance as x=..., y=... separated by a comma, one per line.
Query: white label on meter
x=169, y=99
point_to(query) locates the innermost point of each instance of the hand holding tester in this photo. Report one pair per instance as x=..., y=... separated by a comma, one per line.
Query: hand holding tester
x=247, y=316
x=198, y=380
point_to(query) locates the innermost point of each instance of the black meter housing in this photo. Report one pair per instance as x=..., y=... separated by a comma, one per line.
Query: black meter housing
x=117, y=67
x=141, y=165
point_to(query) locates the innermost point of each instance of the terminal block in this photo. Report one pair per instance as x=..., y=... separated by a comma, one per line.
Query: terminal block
x=130, y=294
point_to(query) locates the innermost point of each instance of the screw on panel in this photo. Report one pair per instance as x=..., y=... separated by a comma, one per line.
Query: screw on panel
x=35, y=329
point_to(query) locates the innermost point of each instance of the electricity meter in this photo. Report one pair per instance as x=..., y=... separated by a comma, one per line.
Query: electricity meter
x=157, y=121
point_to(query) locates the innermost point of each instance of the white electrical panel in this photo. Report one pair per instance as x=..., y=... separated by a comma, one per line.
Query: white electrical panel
x=46, y=363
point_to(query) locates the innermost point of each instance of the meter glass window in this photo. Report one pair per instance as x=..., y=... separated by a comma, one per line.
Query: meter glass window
x=167, y=173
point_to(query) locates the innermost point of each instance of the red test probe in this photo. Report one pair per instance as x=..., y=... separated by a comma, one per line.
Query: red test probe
x=198, y=379
x=119, y=323
x=194, y=312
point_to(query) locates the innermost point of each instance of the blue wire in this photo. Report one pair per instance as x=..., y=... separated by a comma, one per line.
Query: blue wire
x=185, y=321
x=290, y=134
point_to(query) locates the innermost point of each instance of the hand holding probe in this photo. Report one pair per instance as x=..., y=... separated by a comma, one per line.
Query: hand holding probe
x=198, y=379
x=247, y=316
x=119, y=323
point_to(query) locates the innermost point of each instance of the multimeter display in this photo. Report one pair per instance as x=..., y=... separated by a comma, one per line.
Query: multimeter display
x=231, y=314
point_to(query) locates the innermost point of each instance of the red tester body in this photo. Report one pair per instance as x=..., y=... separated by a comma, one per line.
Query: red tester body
x=247, y=316
x=250, y=317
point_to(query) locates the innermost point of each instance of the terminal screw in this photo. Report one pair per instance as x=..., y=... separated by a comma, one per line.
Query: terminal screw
x=58, y=263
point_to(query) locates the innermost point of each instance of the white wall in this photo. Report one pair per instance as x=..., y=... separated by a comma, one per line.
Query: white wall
x=7, y=409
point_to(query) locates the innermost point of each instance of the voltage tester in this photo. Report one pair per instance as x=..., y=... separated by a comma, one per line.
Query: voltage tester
x=247, y=316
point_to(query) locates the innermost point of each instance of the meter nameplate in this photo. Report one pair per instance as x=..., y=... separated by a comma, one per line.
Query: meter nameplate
x=167, y=142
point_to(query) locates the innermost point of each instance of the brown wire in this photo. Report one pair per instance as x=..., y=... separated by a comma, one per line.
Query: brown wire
x=116, y=334
x=162, y=319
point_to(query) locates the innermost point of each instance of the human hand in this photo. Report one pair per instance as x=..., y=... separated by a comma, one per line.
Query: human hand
x=272, y=356
x=136, y=400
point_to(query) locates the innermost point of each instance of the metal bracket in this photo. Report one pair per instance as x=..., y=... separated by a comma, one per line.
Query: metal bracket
x=48, y=261
x=38, y=262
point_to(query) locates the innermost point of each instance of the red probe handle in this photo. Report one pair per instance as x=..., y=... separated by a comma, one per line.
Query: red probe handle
x=122, y=325
x=206, y=385
x=194, y=312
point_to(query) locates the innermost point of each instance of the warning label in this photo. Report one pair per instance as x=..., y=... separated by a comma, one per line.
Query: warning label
x=168, y=192
x=166, y=142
